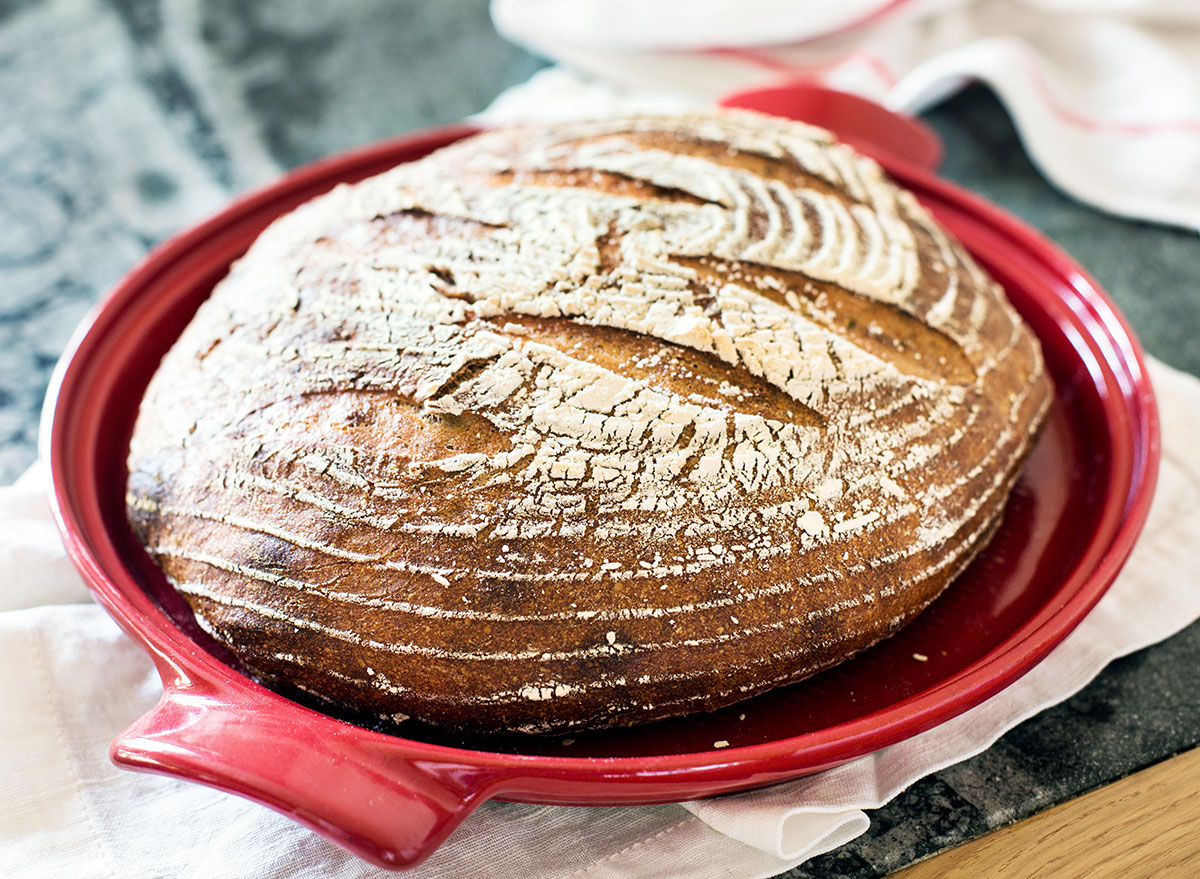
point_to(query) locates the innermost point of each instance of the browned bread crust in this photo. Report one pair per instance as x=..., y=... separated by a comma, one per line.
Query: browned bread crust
x=585, y=425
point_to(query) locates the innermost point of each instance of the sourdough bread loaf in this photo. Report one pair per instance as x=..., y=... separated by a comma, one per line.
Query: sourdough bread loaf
x=584, y=425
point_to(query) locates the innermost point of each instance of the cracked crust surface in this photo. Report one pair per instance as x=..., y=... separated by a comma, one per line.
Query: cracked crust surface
x=585, y=425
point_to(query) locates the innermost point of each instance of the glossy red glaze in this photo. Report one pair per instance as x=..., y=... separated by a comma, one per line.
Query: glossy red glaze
x=865, y=125
x=1071, y=523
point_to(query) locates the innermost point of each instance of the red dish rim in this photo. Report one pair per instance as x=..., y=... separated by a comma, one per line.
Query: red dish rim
x=1130, y=410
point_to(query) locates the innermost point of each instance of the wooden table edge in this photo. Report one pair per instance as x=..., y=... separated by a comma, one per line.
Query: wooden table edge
x=1145, y=825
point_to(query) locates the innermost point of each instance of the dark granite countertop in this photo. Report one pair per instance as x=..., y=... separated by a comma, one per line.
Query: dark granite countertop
x=122, y=121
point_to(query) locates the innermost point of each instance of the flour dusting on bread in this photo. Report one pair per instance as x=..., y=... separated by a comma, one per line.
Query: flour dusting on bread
x=585, y=424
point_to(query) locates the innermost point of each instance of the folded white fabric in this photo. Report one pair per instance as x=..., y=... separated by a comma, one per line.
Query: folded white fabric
x=1106, y=95
x=70, y=681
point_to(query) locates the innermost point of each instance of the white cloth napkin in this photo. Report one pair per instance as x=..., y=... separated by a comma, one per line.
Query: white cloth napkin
x=70, y=681
x=1105, y=93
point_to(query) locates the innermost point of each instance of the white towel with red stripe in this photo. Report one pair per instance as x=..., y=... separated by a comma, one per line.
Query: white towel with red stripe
x=1105, y=93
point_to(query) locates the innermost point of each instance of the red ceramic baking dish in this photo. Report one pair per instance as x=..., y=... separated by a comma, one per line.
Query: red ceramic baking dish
x=392, y=799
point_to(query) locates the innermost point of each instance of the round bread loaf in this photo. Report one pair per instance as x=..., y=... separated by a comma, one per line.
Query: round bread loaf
x=584, y=425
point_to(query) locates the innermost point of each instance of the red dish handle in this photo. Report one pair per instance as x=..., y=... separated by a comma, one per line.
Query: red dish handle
x=386, y=809
x=886, y=136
